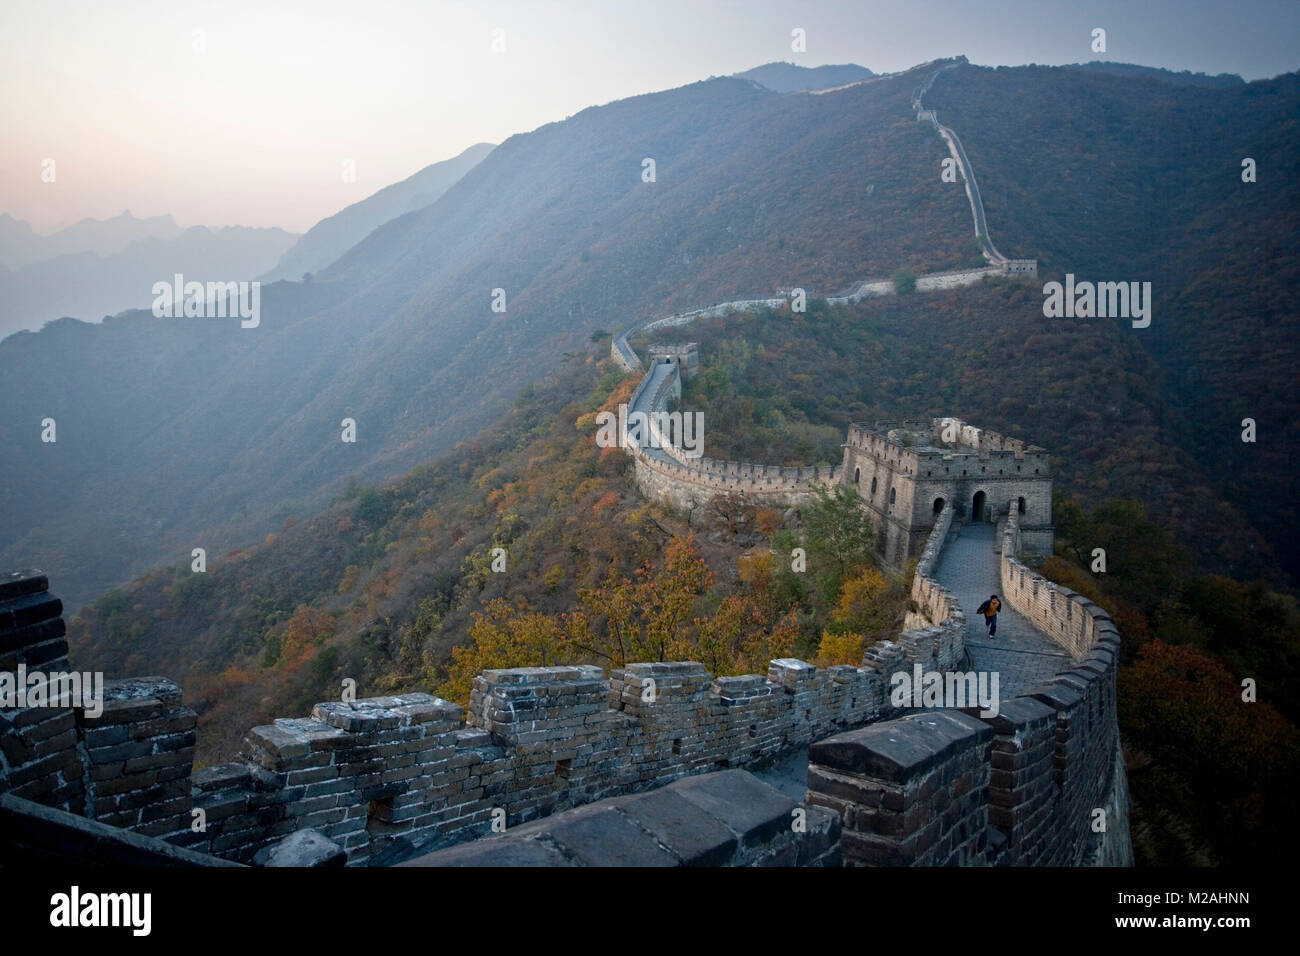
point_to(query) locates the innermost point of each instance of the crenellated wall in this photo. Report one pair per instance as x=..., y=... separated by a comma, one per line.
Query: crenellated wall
x=365, y=773
x=1041, y=783
x=688, y=484
x=1019, y=788
x=368, y=772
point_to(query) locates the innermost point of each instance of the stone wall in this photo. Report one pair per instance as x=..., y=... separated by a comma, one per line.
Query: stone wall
x=727, y=818
x=137, y=757
x=39, y=759
x=687, y=486
x=368, y=773
x=1040, y=783
x=384, y=773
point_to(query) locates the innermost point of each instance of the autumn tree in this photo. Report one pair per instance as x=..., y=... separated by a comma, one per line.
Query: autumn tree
x=503, y=636
x=843, y=648
x=307, y=628
x=839, y=537
x=731, y=511
x=870, y=605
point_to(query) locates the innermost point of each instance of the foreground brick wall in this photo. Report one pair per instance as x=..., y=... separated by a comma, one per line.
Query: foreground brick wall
x=39, y=760
x=729, y=818
x=138, y=756
x=1022, y=788
x=1019, y=788
x=128, y=766
x=413, y=767
x=535, y=741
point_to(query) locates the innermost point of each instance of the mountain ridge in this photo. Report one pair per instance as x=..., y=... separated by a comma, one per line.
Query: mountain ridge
x=756, y=188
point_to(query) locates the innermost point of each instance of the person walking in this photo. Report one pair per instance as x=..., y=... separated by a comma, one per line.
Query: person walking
x=990, y=611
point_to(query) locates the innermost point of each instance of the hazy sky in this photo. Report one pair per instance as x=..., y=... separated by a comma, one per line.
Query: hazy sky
x=249, y=119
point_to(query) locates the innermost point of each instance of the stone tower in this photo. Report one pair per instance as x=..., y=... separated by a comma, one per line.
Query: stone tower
x=686, y=355
x=905, y=472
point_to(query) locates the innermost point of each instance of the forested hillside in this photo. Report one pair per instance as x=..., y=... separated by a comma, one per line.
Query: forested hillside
x=1114, y=178
x=395, y=586
x=782, y=388
x=182, y=433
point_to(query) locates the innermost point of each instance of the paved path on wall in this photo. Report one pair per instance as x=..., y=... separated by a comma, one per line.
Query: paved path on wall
x=1022, y=655
x=659, y=372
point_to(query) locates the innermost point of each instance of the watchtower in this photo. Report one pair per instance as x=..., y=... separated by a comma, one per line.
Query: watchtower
x=686, y=355
x=905, y=472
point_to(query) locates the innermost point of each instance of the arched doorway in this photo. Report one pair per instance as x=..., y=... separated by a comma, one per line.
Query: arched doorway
x=1021, y=503
x=938, y=505
x=977, y=507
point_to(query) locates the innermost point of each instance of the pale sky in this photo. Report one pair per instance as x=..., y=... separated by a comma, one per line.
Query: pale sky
x=238, y=112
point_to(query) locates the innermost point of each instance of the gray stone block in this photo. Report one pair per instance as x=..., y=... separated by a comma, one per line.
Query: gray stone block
x=693, y=835
x=302, y=848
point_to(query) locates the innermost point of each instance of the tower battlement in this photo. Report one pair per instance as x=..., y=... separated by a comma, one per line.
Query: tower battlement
x=905, y=472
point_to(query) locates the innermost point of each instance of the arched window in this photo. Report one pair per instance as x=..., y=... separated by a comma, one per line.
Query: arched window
x=873, y=487
x=1021, y=503
x=857, y=476
x=892, y=494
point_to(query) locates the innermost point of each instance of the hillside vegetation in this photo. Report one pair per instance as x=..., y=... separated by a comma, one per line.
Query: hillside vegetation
x=782, y=388
x=1114, y=178
x=395, y=587
x=209, y=434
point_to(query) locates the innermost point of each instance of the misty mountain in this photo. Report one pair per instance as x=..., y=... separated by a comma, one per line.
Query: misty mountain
x=789, y=78
x=20, y=246
x=331, y=237
x=177, y=433
x=87, y=285
x=182, y=433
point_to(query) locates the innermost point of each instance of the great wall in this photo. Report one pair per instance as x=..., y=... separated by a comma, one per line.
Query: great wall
x=645, y=765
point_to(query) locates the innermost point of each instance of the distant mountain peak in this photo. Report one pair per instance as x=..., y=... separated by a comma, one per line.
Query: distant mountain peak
x=784, y=77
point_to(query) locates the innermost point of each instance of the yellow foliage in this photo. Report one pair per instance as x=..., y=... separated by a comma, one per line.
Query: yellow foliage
x=839, y=649
x=502, y=637
x=769, y=521
x=307, y=628
x=865, y=605
x=351, y=575
x=755, y=569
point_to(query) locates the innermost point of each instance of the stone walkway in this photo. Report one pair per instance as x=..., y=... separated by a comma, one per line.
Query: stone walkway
x=1021, y=655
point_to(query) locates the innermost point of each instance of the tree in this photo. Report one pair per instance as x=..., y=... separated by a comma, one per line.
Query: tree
x=904, y=281
x=839, y=536
x=500, y=637
x=865, y=607
x=307, y=628
x=731, y=511
x=843, y=648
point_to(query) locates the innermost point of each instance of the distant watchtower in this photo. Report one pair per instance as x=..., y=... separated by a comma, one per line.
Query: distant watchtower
x=1020, y=267
x=906, y=472
x=686, y=355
